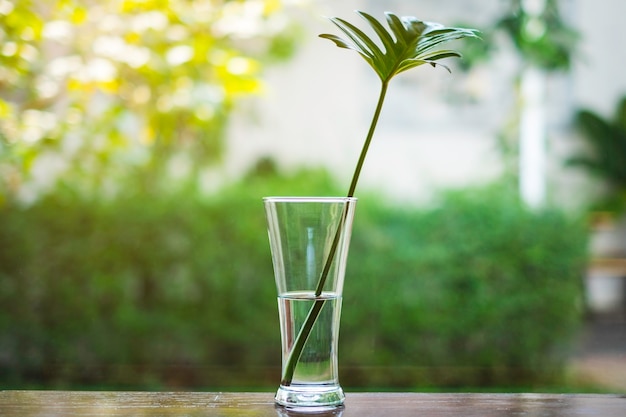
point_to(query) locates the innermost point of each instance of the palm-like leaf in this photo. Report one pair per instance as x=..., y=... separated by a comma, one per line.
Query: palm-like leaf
x=408, y=43
x=605, y=157
x=608, y=141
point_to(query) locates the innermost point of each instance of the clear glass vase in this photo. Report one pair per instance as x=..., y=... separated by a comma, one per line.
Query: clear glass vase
x=309, y=240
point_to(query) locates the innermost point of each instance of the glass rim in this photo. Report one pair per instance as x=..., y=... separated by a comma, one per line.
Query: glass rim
x=308, y=199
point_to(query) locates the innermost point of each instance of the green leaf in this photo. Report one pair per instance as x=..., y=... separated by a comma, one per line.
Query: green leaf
x=397, y=27
x=340, y=42
x=359, y=37
x=408, y=43
x=361, y=43
x=387, y=40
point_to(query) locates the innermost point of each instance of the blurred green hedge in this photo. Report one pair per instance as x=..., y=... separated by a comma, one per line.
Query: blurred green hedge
x=177, y=290
x=476, y=291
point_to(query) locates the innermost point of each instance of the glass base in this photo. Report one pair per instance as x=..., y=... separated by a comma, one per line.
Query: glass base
x=311, y=398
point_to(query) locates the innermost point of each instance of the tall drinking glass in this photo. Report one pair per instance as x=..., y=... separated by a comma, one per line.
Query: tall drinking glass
x=309, y=240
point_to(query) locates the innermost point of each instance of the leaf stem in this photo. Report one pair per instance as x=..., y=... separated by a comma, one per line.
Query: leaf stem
x=368, y=140
x=307, y=326
x=300, y=341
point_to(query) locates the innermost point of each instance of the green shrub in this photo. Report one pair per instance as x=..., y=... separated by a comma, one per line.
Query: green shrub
x=177, y=291
x=143, y=291
x=478, y=291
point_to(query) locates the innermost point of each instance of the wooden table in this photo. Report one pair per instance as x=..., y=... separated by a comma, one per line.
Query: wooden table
x=192, y=404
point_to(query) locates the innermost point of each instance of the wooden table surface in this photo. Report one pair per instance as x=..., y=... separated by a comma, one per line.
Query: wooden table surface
x=192, y=404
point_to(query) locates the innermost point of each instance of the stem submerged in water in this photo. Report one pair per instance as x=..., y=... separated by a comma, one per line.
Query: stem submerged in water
x=307, y=326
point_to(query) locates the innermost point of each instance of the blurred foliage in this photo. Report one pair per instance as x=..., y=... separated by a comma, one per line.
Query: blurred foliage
x=605, y=156
x=479, y=290
x=542, y=38
x=92, y=92
x=176, y=290
x=157, y=287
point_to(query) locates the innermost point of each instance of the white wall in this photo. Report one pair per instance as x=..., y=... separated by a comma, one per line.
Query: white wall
x=437, y=130
x=599, y=76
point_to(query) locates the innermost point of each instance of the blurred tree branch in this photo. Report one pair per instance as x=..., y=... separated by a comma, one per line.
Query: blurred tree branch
x=92, y=93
